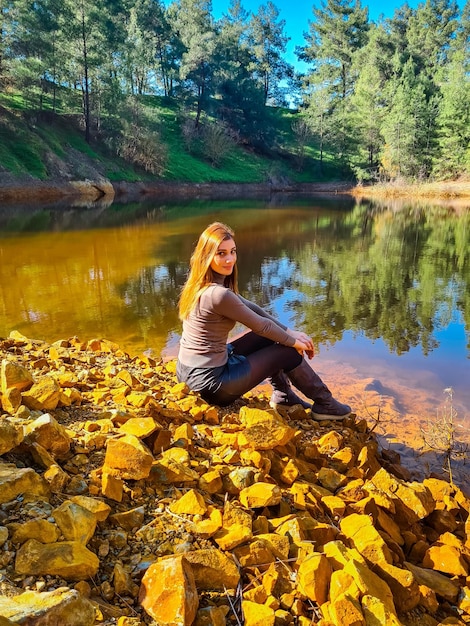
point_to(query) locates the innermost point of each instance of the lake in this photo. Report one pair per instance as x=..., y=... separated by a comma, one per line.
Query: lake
x=384, y=289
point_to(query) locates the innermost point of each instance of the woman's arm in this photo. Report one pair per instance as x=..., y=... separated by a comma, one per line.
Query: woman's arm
x=236, y=308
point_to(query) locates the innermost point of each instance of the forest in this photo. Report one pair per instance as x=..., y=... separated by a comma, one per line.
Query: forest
x=382, y=101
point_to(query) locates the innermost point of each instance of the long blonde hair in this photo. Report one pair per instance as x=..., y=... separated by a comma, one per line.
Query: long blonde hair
x=200, y=272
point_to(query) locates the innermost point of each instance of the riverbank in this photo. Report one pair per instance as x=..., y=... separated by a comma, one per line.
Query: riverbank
x=118, y=486
x=104, y=191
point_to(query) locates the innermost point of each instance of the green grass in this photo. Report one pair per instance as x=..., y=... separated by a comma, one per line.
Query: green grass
x=26, y=137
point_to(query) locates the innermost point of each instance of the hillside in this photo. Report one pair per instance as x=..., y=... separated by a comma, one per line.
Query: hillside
x=48, y=147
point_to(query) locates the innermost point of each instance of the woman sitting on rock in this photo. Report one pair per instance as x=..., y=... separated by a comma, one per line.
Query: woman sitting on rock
x=221, y=372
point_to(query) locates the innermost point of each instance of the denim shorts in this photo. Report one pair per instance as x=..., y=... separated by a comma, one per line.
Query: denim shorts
x=219, y=385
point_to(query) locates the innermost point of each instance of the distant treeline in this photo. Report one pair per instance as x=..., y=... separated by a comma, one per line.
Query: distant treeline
x=385, y=100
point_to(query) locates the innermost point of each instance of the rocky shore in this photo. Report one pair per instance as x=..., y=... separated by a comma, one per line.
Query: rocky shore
x=125, y=499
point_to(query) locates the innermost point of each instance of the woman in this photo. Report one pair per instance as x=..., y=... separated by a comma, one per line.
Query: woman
x=221, y=372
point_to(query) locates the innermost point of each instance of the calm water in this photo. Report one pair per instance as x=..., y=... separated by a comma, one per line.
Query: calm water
x=385, y=293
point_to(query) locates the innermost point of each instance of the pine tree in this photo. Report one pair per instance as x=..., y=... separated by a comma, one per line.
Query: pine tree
x=368, y=105
x=268, y=44
x=406, y=127
x=338, y=31
x=453, y=158
x=194, y=25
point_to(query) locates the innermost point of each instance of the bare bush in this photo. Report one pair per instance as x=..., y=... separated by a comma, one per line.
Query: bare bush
x=190, y=134
x=217, y=141
x=302, y=133
x=141, y=148
x=440, y=435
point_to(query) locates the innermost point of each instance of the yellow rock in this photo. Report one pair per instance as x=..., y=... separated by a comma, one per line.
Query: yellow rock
x=69, y=559
x=413, y=501
x=447, y=559
x=11, y=400
x=141, y=427
x=168, y=592
x=388, y=524
x=313, y=577
x=112, y=487
x=256, y=594
x=370, y=583
x=342, y=583
x=48, y=433
x=185, y=431
x=331, y=479
x=367, y=540
x=129, y=520
x=256, y=553
x=211, y=616
x=208, y=527
x=211, y=482
x=213, y=570
x=231, y=537
x=338, y=554
x=334, y=505
x=10, y=436
x=14, y=376
x=123, y=583
x=330, y=442
x=435, y=581
x=191, y=503
x=167, y=470
x=346, y=611
x=75, y=522
x=277, y=544
x=404, y=586
x=39, y=529
x=260, y=495
x=376, y=612
x=263, y=430
x=61, y=606
x=129, y=456
x=257, y=614
x=43, y=395
x=100, y=509
x=16, y=480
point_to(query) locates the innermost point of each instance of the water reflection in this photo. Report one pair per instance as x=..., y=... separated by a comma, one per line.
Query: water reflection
x=378, y=288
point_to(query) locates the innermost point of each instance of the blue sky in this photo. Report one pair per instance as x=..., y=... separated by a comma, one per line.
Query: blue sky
x=298, y=13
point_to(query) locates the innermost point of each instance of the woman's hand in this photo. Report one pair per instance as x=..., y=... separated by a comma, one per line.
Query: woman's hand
x=303, y=343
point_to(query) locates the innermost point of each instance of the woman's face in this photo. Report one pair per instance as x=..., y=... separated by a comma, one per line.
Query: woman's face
x=225, y=258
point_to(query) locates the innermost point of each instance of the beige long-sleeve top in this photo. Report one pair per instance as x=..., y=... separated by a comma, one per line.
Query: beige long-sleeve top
x=205, y=331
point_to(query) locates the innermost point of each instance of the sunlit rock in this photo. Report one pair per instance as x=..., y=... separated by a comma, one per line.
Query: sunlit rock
x=61, y=606
x=48, y=433
x=260, y=495
x=76, y=522
x=213, y=569
x=128, y=520
x=263, y=430
x=365, y=538
x=168, y=592
x=43, y=395
x=39, y=529
x=10, y=436
x=69, y=559
x=255, y=614
x=128, y=456
x=16, y=481
x=14, y=376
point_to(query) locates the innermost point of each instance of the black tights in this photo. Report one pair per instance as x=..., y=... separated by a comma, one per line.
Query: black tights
x=260, y=358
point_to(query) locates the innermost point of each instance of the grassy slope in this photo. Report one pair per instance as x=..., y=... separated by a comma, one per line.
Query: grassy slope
x=29, y=143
